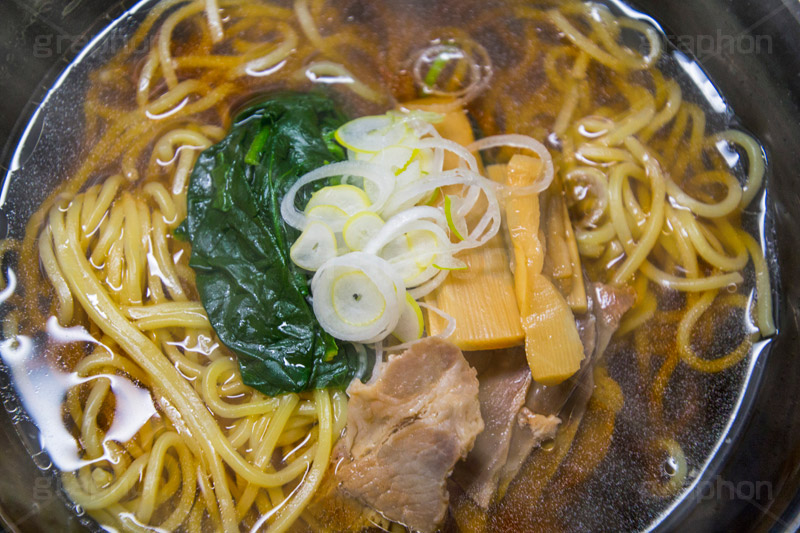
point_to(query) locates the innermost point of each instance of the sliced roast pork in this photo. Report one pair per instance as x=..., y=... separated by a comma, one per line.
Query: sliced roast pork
x=406, y=431
x=504, y=379
x=520, y=415
x=607, y=304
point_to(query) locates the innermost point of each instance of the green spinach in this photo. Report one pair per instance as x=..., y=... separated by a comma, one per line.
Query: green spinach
x=257, y=300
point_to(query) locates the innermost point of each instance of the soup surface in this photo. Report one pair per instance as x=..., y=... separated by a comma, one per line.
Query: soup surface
x=171, y=397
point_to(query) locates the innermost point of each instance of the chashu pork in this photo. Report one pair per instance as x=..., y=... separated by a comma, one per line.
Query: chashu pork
x=406, y=430
x=520, y=414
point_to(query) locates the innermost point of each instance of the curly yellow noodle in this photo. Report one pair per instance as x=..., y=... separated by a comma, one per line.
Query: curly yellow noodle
x=685, y=349
x=694, y=144
x=89, y=199
x=723, y=208
x=307, y=24
x=107, y=496
x=624, y=59
x=303, y=494
x=688, y=255
x=165, y=40
x=166, y=267
x=707, y=283
x=637, y=254
x=676, y=134
x=670, y=110
x=716, y=259
x=108, y=192
x=642, y=312
x=630, y=125
x=104, y=312
x=113, y=267
x=167, y=146
x=632, y=204
x=755, y=160
x=277, y=423
x=168, y=315
x=766, y=321
x=195, y=518
x=599, y=236
x=110, y=232
x=167, y=489
x=256, y=10
x=54, y=274
x=132, y=287
x=150, y=493
x=233, y=386
x=149, y=72
x=592, y=153
x=164, y=200
x=565, y=116
x=215, y=402
x=207, y=492
x=594, y=126
x=191, y=369
x=329, y=68
x=602, y=21
x=101, y=360
x=597, y=183
x=241, y=431
x=90, y=433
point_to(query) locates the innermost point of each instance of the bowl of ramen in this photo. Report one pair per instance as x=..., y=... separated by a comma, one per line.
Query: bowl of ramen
x=404, y=266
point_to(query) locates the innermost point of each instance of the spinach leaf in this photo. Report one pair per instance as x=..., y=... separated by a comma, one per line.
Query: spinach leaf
x=255, y=297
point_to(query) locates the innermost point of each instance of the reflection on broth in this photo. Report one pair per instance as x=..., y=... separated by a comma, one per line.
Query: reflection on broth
x=593, y=251
x=43, y=389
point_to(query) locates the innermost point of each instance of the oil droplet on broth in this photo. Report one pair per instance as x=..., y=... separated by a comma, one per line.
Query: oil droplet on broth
x=670, y=466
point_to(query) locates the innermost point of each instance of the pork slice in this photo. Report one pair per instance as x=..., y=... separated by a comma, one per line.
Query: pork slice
x=607, y=304
x=611, y=303
x=504, y=379
x=331, y=507
x=541, y=427
x=519, y=415
x=512, y=430
x=407, y=429
x=530, y=432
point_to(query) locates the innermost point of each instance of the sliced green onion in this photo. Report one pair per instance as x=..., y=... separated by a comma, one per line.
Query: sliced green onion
x=457, y=225
x=315, y=246
x=411, y=325
x=436, y=69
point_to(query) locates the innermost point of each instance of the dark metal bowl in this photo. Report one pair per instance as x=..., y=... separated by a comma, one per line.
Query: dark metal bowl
x=751, y=51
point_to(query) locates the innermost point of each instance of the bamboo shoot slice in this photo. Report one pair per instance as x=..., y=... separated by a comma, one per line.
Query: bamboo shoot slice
x=557, y=247
x=522, y=218
x=481, y=298
x=577, y=297
x=482, y=301
x=552, y=343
